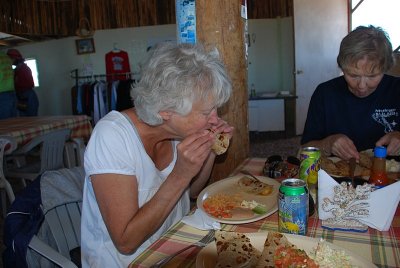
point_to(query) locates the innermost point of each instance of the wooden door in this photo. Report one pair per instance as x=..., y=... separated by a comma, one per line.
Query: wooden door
x=319, y=26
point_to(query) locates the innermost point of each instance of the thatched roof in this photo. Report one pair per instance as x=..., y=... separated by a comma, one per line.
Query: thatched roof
x=36, y=20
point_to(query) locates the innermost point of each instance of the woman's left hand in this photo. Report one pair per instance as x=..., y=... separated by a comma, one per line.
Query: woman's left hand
x=223, y=127
x=392, y=141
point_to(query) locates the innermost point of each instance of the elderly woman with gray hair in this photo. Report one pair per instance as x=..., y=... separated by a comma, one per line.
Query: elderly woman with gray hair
x=143, y=164
x=360, y=109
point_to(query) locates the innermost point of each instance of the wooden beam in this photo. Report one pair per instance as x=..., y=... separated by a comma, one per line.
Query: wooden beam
x=220, y=25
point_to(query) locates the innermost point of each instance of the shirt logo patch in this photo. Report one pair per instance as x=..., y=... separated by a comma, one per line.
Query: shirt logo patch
x=386, y=117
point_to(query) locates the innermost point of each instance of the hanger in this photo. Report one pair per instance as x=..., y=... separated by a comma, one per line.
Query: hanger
x=115, y=48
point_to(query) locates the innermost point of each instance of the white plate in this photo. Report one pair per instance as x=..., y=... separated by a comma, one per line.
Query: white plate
x=207, y=257
x=230, y=186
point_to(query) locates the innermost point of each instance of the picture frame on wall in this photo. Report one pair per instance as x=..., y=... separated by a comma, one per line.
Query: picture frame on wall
x=85, y=46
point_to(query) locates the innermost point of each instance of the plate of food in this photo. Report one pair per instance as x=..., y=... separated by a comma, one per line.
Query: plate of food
x=240, y=199
x=339, y=168
x=273, y=249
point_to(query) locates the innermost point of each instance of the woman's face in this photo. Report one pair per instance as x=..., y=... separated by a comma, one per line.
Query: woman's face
x=361, y=81
x=202, y=116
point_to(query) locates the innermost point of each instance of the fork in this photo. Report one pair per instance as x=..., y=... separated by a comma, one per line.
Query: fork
x=201, y=243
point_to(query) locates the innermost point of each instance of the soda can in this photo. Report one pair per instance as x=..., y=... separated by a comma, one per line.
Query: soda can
x=310, y=161
x=293, y=207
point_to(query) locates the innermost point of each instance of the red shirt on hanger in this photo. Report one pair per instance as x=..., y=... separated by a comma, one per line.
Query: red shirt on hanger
x=117, y=65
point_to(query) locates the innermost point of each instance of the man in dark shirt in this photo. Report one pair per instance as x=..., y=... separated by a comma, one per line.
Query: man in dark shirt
x=361, y=109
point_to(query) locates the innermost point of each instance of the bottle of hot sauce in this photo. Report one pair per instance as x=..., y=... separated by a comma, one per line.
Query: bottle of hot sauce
x=378, y=170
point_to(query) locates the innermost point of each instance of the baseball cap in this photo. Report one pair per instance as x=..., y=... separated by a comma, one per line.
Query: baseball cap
x=14, y=53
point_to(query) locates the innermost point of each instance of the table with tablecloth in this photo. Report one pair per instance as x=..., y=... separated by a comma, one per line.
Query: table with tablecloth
x=24, y=129
x=381, y=248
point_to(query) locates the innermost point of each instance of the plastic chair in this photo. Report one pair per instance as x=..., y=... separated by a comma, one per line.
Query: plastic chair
x=74, y=153
x=64, y=223
x=28, y=165
x=61, y=192
x=7, y=145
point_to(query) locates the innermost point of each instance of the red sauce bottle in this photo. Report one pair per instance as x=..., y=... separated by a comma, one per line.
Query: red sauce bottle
x=378, y=170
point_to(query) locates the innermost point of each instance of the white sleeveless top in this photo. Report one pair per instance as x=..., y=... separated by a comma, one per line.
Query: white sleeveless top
x=115, y=147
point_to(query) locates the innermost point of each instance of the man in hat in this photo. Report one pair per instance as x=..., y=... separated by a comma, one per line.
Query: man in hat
x=28, y=102
x=8, y=100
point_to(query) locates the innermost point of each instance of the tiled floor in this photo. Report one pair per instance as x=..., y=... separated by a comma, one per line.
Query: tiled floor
x=262, y=145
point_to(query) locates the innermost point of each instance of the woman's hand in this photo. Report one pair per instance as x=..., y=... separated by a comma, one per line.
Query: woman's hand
x=392, y=141
x=192, y=152
x=223, y=127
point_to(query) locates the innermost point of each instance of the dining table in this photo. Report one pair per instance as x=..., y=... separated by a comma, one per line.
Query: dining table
x=24, y=129
x=380, y=248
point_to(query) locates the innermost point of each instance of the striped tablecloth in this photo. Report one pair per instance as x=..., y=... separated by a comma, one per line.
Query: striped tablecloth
x=23, y=129
x=381, y=248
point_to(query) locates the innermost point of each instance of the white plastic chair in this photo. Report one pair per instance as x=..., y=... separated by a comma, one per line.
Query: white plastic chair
x=61, y=192
x=28, y=166
x=74, y=153
x=64, y=223
x=7, y=145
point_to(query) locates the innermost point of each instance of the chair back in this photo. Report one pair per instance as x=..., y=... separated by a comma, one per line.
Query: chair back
x=60, y=234
x=74, y=152
x=42, y=153
x=7, y=145
x=65, y=225
x=52, y=151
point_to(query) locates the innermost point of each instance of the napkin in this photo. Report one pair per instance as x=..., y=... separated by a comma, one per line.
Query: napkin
x=201, y=220
x=379, y=208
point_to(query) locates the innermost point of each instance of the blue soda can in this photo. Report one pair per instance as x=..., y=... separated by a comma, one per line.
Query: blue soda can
x=293, y=207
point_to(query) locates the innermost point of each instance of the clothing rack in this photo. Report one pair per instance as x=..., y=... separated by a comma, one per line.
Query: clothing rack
x=97, y=94
x=75, y=75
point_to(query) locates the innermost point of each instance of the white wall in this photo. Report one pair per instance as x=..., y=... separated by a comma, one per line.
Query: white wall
x=271, y=58
x=271, y=55
x=56, y=59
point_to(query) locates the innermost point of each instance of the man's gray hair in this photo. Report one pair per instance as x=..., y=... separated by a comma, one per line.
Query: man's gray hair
x=370, y=42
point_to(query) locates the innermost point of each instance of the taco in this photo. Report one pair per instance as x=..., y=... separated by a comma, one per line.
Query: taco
x=221, y=143
x=235, y=250
x=253, y=186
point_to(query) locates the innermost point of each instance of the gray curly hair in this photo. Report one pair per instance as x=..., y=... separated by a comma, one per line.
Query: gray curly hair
x=174, y=76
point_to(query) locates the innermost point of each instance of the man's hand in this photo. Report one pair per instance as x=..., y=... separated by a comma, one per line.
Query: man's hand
x=343, y=147
x=392, y=141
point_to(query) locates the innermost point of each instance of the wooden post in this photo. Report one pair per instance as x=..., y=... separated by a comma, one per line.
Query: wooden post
x=219, y=24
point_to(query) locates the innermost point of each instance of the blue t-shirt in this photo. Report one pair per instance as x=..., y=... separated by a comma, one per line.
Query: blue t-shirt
x=334, y=109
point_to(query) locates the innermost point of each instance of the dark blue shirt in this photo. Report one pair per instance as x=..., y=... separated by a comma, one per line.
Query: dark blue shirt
x=335, y=110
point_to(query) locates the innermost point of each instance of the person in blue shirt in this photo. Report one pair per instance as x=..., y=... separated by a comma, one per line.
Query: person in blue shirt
x=360, y=109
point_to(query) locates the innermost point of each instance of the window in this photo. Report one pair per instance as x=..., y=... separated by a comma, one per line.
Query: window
x=382, y=13
x=33, y=66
